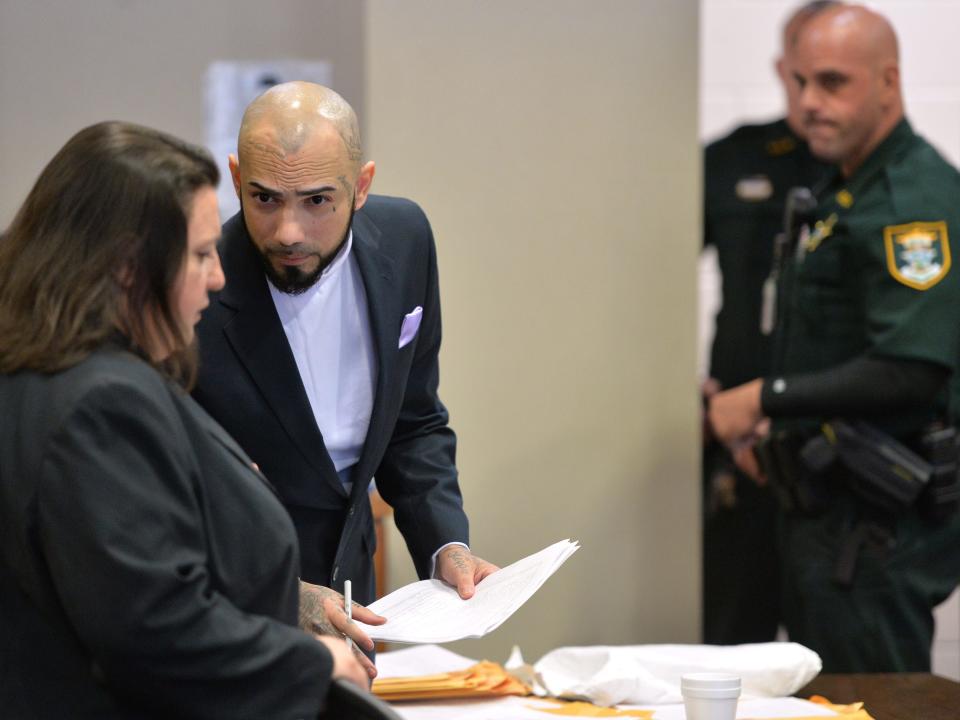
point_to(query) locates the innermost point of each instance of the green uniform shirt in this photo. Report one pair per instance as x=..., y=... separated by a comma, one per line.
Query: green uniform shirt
x=746, y=178
x=874, y=275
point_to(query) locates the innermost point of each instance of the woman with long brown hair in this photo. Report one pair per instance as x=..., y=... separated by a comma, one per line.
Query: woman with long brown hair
x=146, y=568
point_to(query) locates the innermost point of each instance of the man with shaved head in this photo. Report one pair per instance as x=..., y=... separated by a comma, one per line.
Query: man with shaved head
x=320, y=356
x=746, y=178
x=863, y=393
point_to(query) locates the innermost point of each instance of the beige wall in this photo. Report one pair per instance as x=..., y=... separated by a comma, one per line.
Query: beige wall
x=553, y=144
x=65, y=64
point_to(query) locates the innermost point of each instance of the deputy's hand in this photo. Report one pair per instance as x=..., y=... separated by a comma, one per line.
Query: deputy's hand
x=735, y=413
x=322, y=613
x=745, y=456
x=460, y=568
x=345, y=664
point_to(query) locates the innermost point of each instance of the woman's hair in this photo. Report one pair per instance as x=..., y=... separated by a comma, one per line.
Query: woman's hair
x=97, y=247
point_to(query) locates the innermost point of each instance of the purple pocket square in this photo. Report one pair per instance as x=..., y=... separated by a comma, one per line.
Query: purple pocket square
x=411, y=323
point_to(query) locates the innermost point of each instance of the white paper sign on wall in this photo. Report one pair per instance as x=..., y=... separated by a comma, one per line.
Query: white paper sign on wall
x=229, y=86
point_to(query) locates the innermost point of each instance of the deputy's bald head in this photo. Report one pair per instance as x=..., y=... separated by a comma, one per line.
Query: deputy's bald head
x=293, y=113
x=858, y=28
x=799, y=17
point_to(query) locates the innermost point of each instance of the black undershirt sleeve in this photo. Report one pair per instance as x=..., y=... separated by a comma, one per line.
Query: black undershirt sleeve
x=860, y=386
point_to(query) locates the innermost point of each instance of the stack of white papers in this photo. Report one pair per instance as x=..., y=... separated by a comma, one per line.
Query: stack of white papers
x=430, y=611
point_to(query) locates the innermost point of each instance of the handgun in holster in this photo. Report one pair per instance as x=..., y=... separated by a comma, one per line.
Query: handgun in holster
x=881, y=471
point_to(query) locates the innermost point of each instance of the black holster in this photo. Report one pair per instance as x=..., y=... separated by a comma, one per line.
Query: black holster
x=880, y=470
x=884, y=473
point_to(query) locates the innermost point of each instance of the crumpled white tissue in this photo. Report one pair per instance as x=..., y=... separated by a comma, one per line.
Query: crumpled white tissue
x=650, y=674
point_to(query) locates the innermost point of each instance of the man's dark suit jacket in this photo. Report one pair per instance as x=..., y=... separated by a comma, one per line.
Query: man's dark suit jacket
x=146, y=570
x=249, y=382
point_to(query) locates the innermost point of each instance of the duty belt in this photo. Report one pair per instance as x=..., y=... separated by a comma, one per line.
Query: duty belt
x=882, y=472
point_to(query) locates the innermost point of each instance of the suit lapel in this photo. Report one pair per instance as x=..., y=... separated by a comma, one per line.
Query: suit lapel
x=383, y=303
x=257, y=337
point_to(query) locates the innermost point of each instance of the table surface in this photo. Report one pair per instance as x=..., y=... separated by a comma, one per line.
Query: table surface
x=895, y=696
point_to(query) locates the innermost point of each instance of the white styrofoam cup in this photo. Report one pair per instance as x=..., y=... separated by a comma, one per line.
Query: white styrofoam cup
x=710, y=696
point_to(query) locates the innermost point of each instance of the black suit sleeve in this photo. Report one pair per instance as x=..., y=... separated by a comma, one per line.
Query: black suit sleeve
x=120, y=521
x=418, y=474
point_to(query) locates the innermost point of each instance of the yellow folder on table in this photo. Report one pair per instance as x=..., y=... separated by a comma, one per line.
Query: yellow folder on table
x=484, y=679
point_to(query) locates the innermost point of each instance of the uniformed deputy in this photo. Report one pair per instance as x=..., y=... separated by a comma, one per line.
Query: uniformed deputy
x=867, y=334
x=746, y=178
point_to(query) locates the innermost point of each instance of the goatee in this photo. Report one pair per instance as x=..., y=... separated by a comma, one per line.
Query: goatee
x=291, y=279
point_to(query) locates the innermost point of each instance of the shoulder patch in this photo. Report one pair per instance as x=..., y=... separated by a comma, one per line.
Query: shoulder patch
x=918, y=253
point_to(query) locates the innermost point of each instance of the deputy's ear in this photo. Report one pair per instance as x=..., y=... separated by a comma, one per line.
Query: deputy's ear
x=891, y=77
x=364, y=181
x=890, y=85
x=234, y=172
x=781, y=68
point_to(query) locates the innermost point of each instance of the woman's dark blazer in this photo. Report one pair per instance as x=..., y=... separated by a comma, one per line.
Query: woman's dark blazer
x=146, y=570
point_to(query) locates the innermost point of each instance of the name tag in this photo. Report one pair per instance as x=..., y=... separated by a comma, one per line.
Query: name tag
x=754, y=189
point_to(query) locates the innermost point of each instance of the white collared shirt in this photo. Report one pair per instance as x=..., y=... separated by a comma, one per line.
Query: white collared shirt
x=328, y=328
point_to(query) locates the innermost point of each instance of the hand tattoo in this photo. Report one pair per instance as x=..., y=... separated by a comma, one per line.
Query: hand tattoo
x=460, y=560
x=313, y=615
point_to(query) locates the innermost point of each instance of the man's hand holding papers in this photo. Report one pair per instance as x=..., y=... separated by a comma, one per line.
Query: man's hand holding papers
x=322, y=613
x=460, y=568
x=430, y=611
